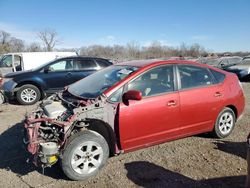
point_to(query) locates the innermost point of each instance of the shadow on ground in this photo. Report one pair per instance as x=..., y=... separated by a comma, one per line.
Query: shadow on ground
x=13, y=156
x=148, y=175
x=235, y=148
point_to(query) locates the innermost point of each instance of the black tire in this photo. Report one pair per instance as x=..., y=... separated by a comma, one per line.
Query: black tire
x=218, y=132
x=28, y=87
x=82, y=138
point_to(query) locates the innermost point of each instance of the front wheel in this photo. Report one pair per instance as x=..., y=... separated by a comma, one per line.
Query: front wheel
x=225, y=123
x=84, y=155
x=28, y=94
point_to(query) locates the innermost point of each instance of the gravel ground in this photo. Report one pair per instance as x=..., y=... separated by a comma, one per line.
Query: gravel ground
x=197, y=161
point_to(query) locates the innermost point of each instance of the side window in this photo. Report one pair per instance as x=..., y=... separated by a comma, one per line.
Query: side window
x=17, y=62
x=155, y=81
x=62, y=65
x=192, y=76
x=219, y=77
x=224, y=62
x=234, y=60
x=116, y=96
x=102, y=63
x=7, y=61
x=84, y=64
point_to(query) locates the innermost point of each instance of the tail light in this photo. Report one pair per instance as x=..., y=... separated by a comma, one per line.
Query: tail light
x=1, y=81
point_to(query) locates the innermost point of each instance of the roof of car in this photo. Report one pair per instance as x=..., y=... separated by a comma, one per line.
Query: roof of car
x=143, y=63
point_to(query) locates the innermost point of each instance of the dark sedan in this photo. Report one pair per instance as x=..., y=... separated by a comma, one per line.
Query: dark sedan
x=242, y=70
x=30, y=86
x=221, y=62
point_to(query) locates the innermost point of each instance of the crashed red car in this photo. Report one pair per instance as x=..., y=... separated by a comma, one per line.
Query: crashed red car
x=128, y=106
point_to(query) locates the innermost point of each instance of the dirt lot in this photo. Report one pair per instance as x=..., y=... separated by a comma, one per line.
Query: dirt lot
x=197, y=161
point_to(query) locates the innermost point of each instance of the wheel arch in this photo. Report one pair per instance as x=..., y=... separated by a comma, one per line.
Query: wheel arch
x=106, y=131
x=232, y=107
x=31, y=83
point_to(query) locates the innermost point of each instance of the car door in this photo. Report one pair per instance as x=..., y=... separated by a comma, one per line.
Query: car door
x=200, y=99
x=155, y=118
x=83, y=67
x=57, y=75
x=6, y=65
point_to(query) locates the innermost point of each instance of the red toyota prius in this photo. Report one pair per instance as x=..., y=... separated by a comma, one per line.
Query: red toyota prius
x=179, y=98
x=128, y=106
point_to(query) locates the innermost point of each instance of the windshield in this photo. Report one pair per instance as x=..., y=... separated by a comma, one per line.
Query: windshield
x=95, y=84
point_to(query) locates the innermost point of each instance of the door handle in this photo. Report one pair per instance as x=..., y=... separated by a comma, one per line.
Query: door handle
x=171, y=103
x=217, y=94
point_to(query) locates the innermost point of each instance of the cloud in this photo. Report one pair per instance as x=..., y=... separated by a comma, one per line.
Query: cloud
x=110, y=38
x=201, y=37
x=29, y=36
x=107, y=40
x=19, y=32
x=161, y=42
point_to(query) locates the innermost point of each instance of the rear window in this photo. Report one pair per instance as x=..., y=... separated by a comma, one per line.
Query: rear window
x=103, y=63
x=83, y=64
x=219, y=77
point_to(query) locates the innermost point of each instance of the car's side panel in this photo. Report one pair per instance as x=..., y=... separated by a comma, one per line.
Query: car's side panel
x=55, y=81
x=235, y=95
x=153, y=119
x=199, y=108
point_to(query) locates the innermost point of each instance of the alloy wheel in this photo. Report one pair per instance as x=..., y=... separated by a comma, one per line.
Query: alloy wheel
x=87, y=157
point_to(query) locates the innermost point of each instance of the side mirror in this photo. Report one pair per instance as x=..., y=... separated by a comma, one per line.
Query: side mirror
x=131, y=95
x=46, y=69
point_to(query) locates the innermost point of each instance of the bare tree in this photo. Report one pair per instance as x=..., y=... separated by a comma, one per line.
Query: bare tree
x=34, y=47
x=16, y=45
x=133, y=50
x=4, y=37
x=49, y=38
x=4, y=42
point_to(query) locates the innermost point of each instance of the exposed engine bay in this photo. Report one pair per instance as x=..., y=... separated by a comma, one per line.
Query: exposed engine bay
x=48, y=128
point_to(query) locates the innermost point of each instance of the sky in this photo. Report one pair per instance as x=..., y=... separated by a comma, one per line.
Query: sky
x=218, y=25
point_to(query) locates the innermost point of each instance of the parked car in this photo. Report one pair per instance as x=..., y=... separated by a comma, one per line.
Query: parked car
x=242, y=70
x=246, y=57
x=221, y=62
x=21, y=61
x=30, y=86
x=129, y=106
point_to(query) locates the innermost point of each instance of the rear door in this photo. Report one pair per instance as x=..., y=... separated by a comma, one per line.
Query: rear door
x=200, y=99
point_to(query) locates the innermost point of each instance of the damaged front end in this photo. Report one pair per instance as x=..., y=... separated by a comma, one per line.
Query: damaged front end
x=57, y=119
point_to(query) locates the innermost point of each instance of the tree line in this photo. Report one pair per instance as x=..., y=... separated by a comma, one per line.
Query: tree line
x=49, y=39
